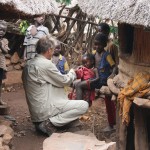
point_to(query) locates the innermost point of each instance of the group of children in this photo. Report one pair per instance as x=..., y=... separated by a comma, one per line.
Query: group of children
x=95, y=69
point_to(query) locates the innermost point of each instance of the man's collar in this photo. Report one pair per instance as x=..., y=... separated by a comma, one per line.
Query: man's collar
x=40, y=55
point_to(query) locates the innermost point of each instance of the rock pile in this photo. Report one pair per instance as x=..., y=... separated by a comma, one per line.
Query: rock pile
x=14, y=62
x=6, y=134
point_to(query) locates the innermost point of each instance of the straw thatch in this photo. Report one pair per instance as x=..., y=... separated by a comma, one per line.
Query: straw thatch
x=128, y=11
x=26, y=8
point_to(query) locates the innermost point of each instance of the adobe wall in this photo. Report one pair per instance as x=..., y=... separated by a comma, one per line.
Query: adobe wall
x=128, y=70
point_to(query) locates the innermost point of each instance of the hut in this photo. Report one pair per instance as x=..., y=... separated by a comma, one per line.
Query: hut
x=26, y=8
x=14, y=11
x=134, y=47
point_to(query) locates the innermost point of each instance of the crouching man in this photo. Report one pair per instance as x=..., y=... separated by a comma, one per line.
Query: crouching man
x=44, y=88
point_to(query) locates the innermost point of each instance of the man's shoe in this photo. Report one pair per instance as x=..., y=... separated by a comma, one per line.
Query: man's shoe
x=47, y=127
x=108, y=129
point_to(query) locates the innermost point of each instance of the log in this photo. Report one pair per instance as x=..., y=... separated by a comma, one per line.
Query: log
x=141, y=132
x=112, y=87
x=105, y=90
x=141, y=102
x=118, y=83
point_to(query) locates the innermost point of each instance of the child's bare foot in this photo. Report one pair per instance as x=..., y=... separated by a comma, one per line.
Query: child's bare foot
x=2, y=102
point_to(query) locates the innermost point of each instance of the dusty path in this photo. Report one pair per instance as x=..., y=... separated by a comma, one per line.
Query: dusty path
x=25, y=136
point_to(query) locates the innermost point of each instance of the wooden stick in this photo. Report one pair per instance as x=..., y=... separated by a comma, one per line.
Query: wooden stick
x=58, y=20
x=70, y=27
x=84, y=21
x=112, y=87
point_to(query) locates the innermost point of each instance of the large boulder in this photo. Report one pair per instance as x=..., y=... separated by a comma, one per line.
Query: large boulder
x=72, y=141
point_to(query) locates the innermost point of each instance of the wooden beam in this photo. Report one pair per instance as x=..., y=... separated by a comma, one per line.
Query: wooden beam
x=141, y=102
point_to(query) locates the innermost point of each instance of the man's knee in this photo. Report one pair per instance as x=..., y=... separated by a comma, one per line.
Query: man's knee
x=84, y=107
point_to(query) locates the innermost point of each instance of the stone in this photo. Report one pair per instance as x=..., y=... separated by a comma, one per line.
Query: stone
x=1, y=141
x=71, y=141
x=3, y=130
x=8, y=62
x=10, y=131
x=22, y=64
x=6, y=130
x=15, y=58
x=5, y=122
x=7, y=139
x=6, y=147
x=17, y=67
x=8, y=56
x=9, y=89
x=21, y=60
x=10, y=68
x=2, y=148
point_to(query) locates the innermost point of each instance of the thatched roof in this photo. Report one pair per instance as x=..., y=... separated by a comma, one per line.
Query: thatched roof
x=26, y=8
x=129, y=11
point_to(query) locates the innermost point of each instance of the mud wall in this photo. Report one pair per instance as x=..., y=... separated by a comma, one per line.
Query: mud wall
x=127, y=69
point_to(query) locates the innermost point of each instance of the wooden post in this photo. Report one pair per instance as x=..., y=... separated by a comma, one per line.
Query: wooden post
x=121, y=132
x=141, y=132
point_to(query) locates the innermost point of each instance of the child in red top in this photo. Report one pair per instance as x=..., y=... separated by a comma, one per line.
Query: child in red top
x=86, y=73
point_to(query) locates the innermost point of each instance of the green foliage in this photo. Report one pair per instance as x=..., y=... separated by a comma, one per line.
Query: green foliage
x=23, y=26
x=67, y=2
x=116, y=42
x=114, y=31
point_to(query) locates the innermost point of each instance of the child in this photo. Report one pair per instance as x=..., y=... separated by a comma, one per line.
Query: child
x=59, y=60
x=111, y=47
x=33, y=34
x=106, y=68
x=87, y=73
x=3, y=50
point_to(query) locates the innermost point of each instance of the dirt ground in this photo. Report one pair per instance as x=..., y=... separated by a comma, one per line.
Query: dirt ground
x=25, y=136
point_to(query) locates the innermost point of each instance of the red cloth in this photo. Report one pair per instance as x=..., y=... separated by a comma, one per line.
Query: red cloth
x=111, y=111
x=85, y=73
